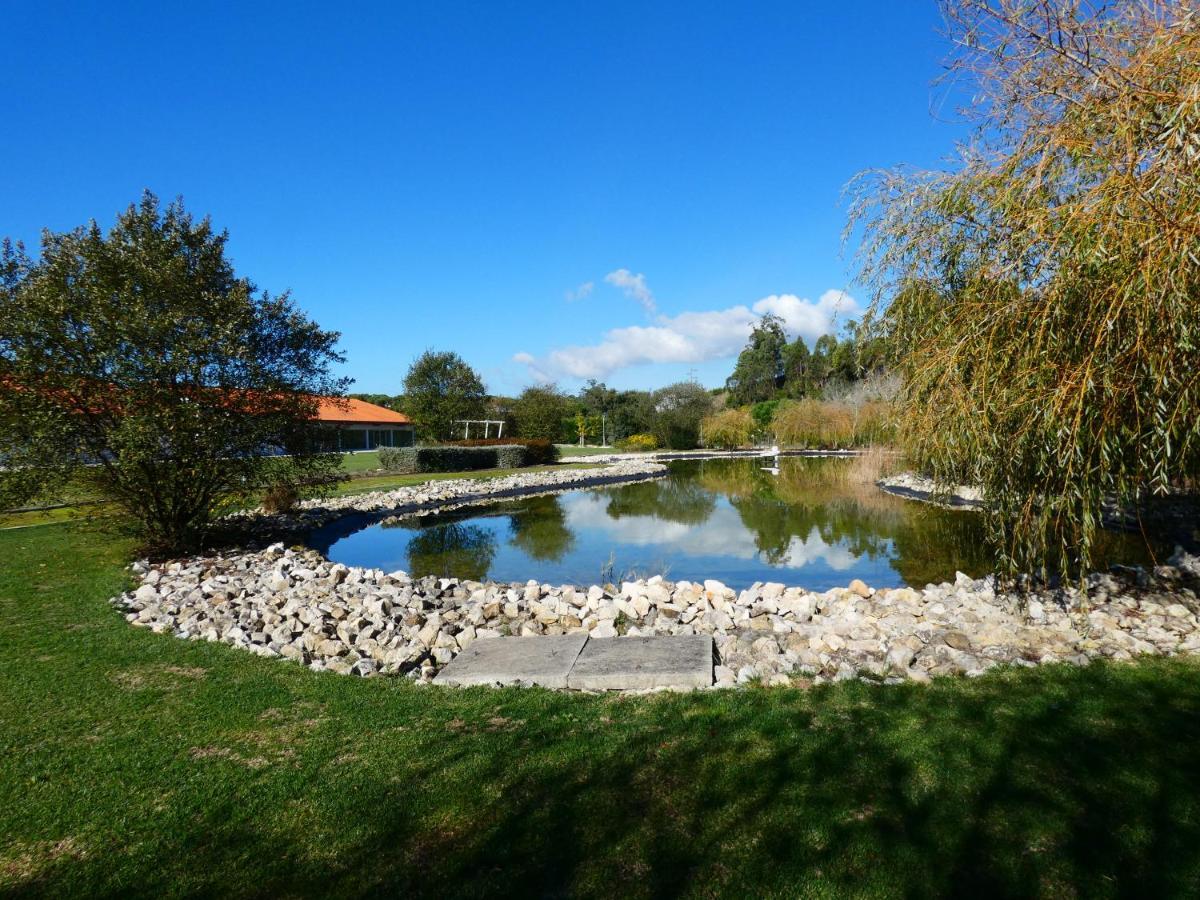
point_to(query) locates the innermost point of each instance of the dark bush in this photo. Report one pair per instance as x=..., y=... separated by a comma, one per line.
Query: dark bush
x=453, y=458
x=508, y=457
x=538, y=452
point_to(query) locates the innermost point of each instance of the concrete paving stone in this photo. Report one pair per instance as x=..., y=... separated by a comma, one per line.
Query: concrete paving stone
x=543, y=660
x=640, y=663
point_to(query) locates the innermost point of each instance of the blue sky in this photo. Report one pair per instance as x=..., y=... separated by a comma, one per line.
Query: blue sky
x=455, y=176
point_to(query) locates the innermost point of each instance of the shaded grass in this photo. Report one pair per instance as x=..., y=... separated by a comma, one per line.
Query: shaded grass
x=136, y=764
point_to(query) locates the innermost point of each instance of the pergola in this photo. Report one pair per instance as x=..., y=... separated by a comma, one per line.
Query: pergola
x=467, y=423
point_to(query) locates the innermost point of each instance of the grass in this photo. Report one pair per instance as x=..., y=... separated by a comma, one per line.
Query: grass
x=357, y=485
x=568, y=450
x=366, y=461
x=135, y=764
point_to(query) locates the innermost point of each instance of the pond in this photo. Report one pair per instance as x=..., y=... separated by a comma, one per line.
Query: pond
x=812, y=522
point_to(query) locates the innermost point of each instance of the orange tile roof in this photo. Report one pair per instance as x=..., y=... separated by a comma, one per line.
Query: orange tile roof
x=349, y=410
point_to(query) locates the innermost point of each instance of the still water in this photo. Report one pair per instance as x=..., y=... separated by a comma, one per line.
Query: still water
x=817, y=523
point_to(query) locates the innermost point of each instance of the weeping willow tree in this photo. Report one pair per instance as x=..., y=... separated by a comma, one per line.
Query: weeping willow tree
x=1043, y=293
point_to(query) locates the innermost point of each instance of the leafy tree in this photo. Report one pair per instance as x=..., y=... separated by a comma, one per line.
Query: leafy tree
x=441, y=389
x=1041, y=294
x=763, y=415
x=679, y=409
x=632, y=412
x=387, y=401
x=797, y=369
x=539, y=413
x=138, y=364
x=759, y=371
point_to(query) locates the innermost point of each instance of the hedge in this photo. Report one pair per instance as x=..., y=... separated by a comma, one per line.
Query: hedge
x=454, y=458
x=538, y=452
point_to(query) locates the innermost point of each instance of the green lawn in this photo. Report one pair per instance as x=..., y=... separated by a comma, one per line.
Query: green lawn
x=575, y=450
x=357, y=485
x=360, y=462
x=136, y=764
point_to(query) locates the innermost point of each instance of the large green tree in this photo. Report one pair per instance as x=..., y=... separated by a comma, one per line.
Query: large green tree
x=137, y=364
x=1041, y=293
x=678, y=411
x=540, y=413
x=759, y=371
x=441, y=390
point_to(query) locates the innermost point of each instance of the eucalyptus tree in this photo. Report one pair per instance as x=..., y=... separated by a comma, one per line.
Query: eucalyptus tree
x=759, y=371
x=1041, y=294
x=137, y=365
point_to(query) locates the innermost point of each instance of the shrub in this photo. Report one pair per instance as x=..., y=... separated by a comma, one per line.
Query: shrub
x=538, y=452
x=511, y=456
x=814, y=424
x=398, y=459
x=638, y=443
x=728, y=429
x=451, y=458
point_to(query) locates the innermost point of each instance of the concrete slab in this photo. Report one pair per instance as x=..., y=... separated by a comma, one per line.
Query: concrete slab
x=544, y=660
x=640, y=663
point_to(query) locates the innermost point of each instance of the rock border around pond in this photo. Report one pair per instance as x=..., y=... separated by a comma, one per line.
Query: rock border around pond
x=295, y=604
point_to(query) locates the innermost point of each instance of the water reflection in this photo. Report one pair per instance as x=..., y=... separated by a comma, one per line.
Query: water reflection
x=451, y=549
x=816, y=522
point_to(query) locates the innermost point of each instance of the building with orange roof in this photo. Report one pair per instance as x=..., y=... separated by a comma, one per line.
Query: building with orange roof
x=359, y=425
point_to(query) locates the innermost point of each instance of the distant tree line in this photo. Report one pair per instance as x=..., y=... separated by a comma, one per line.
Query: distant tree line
x=441, y=390
x=773, y=368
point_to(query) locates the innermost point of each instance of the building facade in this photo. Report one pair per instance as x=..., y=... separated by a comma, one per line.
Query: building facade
x=358, y=425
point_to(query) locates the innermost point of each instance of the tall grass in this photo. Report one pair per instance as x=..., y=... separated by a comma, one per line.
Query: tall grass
x=830, y=425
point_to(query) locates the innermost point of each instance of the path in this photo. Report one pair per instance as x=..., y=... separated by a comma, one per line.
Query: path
x=581, y=663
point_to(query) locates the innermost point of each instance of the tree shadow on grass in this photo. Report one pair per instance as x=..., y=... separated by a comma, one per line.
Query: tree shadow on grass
x=1051, y=781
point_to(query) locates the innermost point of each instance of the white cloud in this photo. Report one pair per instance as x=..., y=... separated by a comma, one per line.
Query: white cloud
x=584, y=290
x=691, y=337
x=633, y=286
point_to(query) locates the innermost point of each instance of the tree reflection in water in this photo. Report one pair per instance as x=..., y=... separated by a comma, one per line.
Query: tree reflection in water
x=815, y=522
x=539, y=527
x=451, y=550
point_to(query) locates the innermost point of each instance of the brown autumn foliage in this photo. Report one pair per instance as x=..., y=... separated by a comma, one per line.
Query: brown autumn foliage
x=1041, y=293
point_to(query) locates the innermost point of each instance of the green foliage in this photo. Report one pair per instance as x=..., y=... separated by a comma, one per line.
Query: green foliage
x=387, y=401
x=398, y=459
x=537, y=452
x=539, y=413
x=440, y=389
x=759, y=371
x=539, y=527
x=137, y=363
x=631, y=412
x=452, y=458
x=728, y=429
x=679, y=409
x=1041, y=296
x=638, y=443
x=763, y=415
